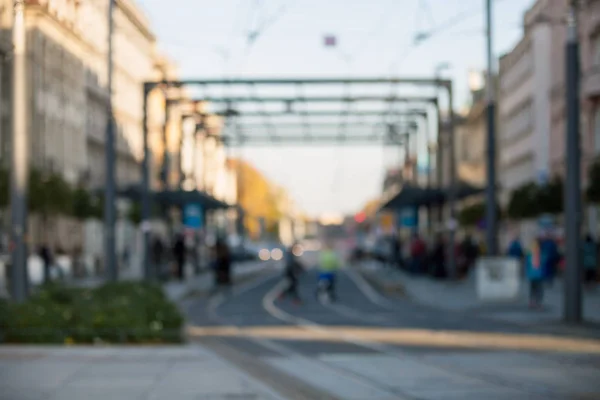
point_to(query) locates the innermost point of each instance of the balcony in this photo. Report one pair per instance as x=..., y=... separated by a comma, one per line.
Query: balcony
x=591, y=82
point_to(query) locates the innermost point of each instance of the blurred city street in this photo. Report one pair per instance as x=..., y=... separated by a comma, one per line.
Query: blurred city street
x=369, y=346
x=279, y=199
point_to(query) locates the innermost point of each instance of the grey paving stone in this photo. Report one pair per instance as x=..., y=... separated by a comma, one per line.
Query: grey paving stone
x=336, y=382
x=42, y=375
x=99, y=393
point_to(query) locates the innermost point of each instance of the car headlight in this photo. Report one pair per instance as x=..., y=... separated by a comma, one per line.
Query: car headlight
x=264, y=255
x=276, y=254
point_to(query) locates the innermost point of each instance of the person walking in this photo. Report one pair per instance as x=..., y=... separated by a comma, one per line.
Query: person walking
x=222, y=263
x=179, y=255
x=293, y=270
x=541, y=261
x=47, y=260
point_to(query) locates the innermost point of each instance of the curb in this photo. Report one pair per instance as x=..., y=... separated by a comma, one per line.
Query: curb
x=192, y=291
x=396, y=288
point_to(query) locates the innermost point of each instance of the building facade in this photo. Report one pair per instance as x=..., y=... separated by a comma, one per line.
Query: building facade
x=526, y=82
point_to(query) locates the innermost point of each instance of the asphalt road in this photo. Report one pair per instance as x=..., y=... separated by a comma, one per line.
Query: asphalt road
x=368, y=346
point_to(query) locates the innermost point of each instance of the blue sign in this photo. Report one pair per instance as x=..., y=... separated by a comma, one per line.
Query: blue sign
x=192, y=216
x=409, y=218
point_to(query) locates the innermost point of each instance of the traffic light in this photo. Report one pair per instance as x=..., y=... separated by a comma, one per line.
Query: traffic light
x=360, y=217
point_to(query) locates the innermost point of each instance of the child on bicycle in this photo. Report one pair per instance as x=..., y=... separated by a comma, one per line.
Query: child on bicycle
x=329, y=263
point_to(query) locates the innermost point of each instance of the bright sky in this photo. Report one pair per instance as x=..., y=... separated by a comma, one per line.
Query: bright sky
x=375, y=38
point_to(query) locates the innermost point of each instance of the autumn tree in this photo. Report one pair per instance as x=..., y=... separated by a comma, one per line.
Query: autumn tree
x=258, y=196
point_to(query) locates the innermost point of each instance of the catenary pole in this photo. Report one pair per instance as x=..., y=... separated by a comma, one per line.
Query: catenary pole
x=572, y=194
x=19, y=171
x=110, y=190
x=491, y=217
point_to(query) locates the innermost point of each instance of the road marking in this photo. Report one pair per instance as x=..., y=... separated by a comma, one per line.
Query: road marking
x=269, y=305
x=372, y=294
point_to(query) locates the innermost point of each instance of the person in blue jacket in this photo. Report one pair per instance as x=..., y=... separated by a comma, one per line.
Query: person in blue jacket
x=540, y=262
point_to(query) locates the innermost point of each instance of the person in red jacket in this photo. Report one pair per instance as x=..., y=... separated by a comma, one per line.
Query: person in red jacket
x=418, y=252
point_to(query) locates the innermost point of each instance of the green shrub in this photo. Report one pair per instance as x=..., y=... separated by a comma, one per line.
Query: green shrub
x=128, y=312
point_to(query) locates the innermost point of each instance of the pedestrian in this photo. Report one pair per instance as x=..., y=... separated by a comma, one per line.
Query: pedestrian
x=515, y=248
x=158, y=250
x=438, y=257
x=293, y=270
x=541, y=261
x=329, y=263
x=590, y=259
x=418, y=253
x=46, y=256
x=179, y=255
x=470, y=251
x=222, y=263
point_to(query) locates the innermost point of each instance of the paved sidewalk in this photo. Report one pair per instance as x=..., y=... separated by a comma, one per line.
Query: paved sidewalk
x=123, y=373
x=462, y=296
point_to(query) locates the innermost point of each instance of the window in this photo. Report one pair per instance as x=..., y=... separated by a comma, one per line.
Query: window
x=596, y=51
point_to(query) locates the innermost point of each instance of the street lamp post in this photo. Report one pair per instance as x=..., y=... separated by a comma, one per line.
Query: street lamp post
x=148, y=264
x=19, y=170
x=439, y=148
x=572, y=190
x=452, y=195
x=109, y=195
x=491, y=217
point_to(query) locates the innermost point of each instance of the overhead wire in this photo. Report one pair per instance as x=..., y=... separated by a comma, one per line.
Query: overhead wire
x=421, y=37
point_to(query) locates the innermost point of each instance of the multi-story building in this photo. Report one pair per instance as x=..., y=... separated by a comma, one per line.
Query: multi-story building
x=471, y=137
x=589, y=20
x=527, y=76
x=133, y=45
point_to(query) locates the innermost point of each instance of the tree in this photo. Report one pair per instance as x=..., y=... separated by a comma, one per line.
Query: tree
x=474, y=214
x=258, y=196
x=593, y=190
x=471, y=215
x=550, y=197
x=82, y=207
x=523, y=202
x=134, y=214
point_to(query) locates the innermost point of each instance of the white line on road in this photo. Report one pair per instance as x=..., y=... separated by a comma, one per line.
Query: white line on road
x=372, y=294
x=269, y=305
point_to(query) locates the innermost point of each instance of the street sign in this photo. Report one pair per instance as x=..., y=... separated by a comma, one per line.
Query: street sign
x=498, y=278
x=192, y=216
x=409, y=218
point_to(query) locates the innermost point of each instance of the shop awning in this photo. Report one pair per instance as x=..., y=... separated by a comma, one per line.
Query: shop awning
x=172, y=197
x=183, y=197
x=413, y=196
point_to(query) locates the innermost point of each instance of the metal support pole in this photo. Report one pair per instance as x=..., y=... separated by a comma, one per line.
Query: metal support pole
x=145, y=190
x=572, y=190
x=19, y=171
x=491, y=217
x=453, y=186
x=165, y=163
x=428, y=177
x=439, y=161
x=110, y=257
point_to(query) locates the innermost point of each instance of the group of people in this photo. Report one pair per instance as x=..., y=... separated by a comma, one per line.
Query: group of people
x=328, y=264
x=420, y=258
x=543, y=261
x=221, y=259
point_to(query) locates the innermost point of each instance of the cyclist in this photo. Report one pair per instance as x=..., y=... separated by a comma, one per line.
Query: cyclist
x=329, y=263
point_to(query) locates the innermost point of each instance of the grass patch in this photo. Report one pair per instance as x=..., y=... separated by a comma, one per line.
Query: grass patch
x=123, y=312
